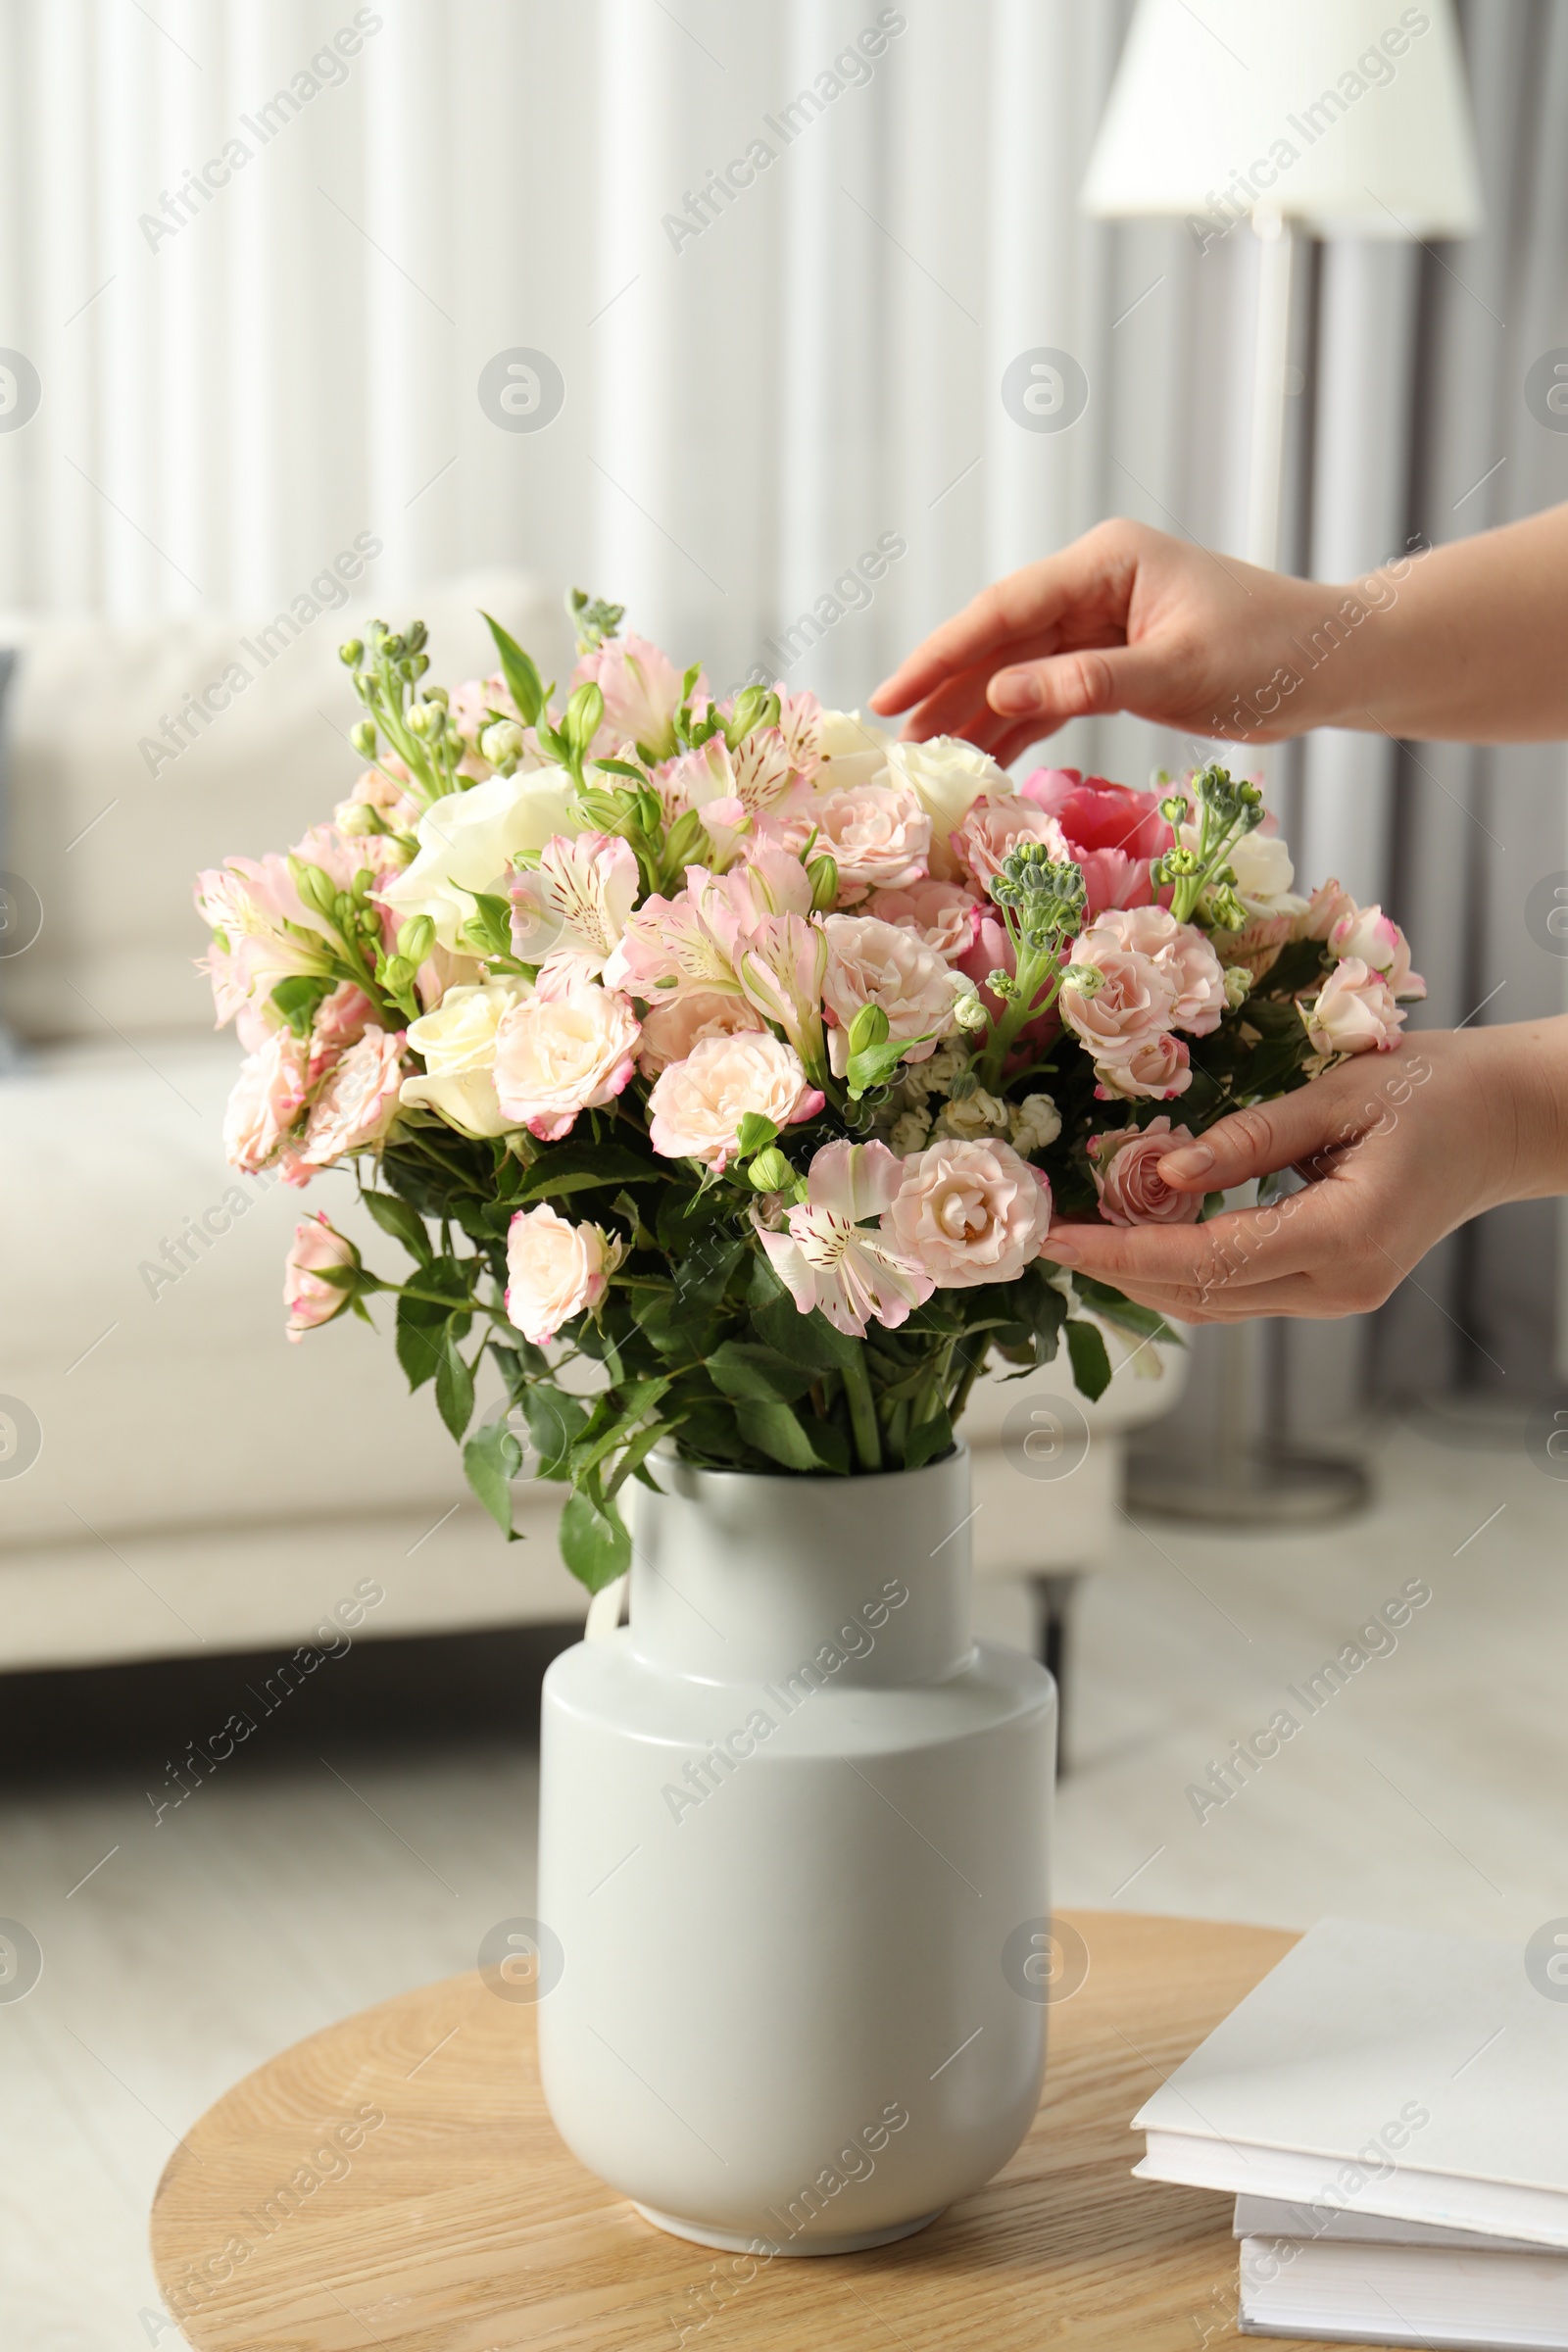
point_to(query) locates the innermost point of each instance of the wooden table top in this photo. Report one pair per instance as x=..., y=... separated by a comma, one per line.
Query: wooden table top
x=460, y=2223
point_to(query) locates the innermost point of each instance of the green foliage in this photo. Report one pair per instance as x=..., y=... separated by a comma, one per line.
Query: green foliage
x=1091, y=1362
x=491, y=1460
x=523, y=682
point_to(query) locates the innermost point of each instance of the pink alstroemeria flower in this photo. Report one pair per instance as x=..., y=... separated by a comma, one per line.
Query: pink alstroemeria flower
x=829, y=1257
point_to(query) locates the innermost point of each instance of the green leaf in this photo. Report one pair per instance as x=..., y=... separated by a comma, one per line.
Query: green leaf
x=491, y=1460
x=297, y=1000
x=402, y=1221
x=523, y=679
x=753, y=1134
x=573, y=1163
x=622, y=767
x=874, y=1063
x=488, y=930
x=555, y=1423
x=809, y=1340
x=420, y=1335
x=775, y=1431
x=594, y=1543
x=1091, y=1365
x=631, y=1461
x=454, y=1388
x=929, y=1439
x=1126, y=1314
x=757, y=1374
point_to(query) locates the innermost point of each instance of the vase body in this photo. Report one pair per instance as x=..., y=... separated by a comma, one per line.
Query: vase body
x=794, y=1830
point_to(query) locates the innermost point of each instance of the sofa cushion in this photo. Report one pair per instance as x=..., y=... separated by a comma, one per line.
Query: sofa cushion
x=109, y=825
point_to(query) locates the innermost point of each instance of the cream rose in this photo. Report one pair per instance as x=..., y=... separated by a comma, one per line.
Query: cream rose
x=468, y=840
x=948, y=776
x=673, y=1027
x=851, y=750
x=458, y=1045
x=268, y=1098
x=879, y=836
x=555, y=1270
x=1127, y=1177
x=1355, y=1012
x=870, y=963
x=697, y=1105
x=560, y=1051
x=969, y=1212
x=359, y=1102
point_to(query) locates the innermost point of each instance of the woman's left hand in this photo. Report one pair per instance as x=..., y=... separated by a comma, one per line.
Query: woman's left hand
x=1398, y=1150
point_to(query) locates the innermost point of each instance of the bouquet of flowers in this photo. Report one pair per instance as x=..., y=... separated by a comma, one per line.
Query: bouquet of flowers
x=746, y=1053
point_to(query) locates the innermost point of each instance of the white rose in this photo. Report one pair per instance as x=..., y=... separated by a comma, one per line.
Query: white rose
x=458, y=1045
x=947, y=776
x=554, y=1269
x=469, y=839
x=1265, y=872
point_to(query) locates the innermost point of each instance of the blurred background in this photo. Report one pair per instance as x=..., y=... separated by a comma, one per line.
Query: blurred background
x=309, y=313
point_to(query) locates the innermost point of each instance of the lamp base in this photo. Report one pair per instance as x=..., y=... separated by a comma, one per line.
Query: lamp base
x=1262, y=1486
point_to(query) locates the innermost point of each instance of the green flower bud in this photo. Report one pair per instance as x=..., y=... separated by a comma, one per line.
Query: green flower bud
x=363, y=738
x=415, y=940
x=314, y=886
x=970, y=1012
x=398, y=975
x=436, y=694
x=770, y=1171
x=426, y=721
x=869, y=1027
x=502, y=743
x=1238, y=985
x=1001, y=983
x=351, y=654
x=823, y=872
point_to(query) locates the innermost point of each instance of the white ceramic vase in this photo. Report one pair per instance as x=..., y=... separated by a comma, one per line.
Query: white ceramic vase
x=792, y=1870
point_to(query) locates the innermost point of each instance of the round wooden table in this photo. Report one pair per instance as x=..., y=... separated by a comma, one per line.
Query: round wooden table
x=395, y=2181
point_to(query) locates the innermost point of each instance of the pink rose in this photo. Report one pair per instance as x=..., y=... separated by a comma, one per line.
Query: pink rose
x=1367, y=932
x=555, y=1270
x=1127, y=1177
x=943, y=915
x=341, y=1020
x=676, y=1024
x=317, y=1248
x=1182, y=953
x=995, y=824
x=969, y=1212
x=1355, y=1012
x=878, y=835
x=872, y=962
x=561, y=1051
x=1114, y=833
x=1156, y=1070
x=641, y=687
x=1323, y=909
x=268, y=1098
x=697, y=1105
x=1134, y=1004
x=359, y=1102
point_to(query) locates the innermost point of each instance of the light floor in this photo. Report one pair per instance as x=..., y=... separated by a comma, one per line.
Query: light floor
x=1431, y=1789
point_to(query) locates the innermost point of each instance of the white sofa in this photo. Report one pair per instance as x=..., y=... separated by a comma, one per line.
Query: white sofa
x=201, y=1481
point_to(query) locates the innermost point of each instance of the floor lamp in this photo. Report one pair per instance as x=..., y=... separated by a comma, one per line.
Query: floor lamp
x=1280, y=119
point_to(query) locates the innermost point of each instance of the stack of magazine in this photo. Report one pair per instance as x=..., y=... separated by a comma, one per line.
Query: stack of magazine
x=1389, y=2110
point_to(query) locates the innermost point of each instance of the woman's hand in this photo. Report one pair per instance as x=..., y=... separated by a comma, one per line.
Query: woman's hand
x=1124, y=620
x=1398, y=1150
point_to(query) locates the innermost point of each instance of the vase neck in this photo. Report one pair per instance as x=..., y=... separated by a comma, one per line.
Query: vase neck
x=849, y=1581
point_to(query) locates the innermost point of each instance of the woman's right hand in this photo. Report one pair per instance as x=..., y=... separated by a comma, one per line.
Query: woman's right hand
x=1126, y=618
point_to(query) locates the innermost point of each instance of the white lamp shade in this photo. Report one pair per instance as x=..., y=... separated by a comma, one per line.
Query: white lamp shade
x=1346, y=116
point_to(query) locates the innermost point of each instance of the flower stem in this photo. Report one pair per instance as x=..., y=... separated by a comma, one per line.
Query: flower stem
x=863, y=1410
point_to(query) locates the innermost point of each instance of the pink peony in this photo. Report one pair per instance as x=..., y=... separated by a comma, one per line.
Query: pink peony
x=359, y=1102
x=969, y=1212
x=697, y=1105
x=555, y=1270
x=317, y=1248
x=677, y=1023
x=1154, y=1070
x=943, y=915
x=997, y=823
x=879, y=836
x=872, y=962
x=827, y=1259
x=1127, y=1177
x=1133, y=1005
x=1182, y=954
x=641, y=687
x=562, y=1051
x=268, y=1098
x=1367, y=932
x=1355, y=1012
x=1113, y=832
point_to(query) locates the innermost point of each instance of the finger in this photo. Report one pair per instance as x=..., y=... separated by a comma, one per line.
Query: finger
x=1089, y=682
x=1233, y=1251
x=1332, y=1113
x=1024, y=605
